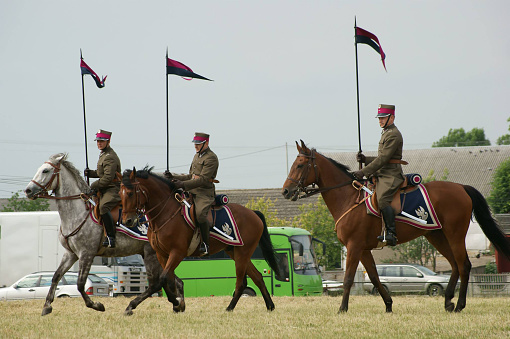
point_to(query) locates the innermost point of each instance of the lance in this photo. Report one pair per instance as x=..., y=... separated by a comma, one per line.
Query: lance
x=167, y=121
x=357, y=93
x=84, y=121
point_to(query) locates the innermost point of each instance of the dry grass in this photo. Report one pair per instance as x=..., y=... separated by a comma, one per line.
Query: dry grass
x=310, y=317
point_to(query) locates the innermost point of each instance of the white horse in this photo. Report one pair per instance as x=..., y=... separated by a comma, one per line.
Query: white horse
x=82, y=237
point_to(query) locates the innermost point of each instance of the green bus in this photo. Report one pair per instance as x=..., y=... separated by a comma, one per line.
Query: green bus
x=298, y=270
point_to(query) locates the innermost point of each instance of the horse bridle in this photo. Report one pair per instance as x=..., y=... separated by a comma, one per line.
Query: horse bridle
x=313, y=190
x=44, y=194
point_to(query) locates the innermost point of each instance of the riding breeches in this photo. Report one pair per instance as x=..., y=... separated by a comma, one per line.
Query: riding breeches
x=109, y=199
x=385, y=189
x=202, y=207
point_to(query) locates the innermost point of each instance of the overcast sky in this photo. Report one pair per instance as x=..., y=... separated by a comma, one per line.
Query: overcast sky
x=282, y=71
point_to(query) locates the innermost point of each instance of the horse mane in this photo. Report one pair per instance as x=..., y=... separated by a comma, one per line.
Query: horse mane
x=145, y=173
x=338, y=165
x=82, y=185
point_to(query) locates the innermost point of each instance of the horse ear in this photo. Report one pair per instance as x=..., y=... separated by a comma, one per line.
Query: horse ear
x=60, y=157
x=303, y=145
x=132, y=176
x=298, y=148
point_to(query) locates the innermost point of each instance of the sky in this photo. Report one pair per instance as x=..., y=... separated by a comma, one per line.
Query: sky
x=282, y=70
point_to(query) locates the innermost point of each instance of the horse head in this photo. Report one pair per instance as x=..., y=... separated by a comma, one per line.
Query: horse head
x=133, y=197
x=44, y=179
x=302, y=173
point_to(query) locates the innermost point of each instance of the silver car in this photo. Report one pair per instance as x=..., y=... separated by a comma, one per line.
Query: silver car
x=37, y=285
x=408, y=278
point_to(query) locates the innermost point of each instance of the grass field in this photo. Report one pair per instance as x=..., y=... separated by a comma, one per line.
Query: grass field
x=294, y=317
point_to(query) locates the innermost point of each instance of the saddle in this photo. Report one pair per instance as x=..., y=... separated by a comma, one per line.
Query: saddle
x=411, y=182
x=117, y=210
x=185, y=198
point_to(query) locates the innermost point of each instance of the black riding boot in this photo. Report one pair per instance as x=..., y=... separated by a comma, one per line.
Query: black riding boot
x=109, y=225
x=389, y=220
x=204, y=231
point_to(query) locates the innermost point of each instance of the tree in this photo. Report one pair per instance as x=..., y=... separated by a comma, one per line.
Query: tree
x=316, y=218
x=504, y=139
x=266, y=206
x=17, y=204
x=458, y=137
x=499, y=197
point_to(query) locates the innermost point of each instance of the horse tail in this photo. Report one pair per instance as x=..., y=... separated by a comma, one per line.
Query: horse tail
x=488, y=224
x=266, y=245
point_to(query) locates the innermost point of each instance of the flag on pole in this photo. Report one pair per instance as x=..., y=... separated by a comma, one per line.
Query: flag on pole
x=177, y=68
x=365, y=37
x=85, y=69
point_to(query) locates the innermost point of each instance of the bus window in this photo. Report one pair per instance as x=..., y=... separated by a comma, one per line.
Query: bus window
x=283, y=267
x=304, y=255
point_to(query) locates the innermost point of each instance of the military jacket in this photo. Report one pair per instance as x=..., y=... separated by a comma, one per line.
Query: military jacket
x=390, y=147
x=107, y=165
x=202, y=172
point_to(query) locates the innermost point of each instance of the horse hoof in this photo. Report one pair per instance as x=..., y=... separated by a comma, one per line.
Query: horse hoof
x=98, y=307
x=46, y=310
x=229, y=309
x=128, y=312
x=449, y=308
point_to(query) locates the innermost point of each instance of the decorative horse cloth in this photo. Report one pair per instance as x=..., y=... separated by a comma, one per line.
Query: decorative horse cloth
x=138, y=231
x=224, y=227
x=416, y=203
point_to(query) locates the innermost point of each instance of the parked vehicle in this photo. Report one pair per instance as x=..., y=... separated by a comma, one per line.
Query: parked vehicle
x=408, y=278
x=36, y=286
x=332, y=287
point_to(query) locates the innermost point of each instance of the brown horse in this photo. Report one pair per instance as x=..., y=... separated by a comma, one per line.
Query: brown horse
x=454, y=204
x=170, y=235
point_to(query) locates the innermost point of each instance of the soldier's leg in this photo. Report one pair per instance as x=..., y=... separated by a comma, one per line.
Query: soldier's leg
x=384, y=202
x=202, y=209
x=108, y=201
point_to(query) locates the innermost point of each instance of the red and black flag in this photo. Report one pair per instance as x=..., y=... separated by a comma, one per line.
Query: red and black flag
x=177, y=68
x=365, y=37
x=85, y=69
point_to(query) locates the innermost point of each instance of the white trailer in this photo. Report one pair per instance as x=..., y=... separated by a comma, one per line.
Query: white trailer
x=29, y=243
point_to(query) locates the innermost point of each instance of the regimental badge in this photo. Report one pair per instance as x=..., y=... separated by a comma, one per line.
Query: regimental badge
x=226, y=229
x=421, y=213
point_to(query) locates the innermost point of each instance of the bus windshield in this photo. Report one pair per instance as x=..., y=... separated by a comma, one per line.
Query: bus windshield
x=304, y=255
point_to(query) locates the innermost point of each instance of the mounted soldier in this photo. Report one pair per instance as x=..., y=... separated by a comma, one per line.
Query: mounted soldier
x=386, y=168
x=108, y=185
x=200, y=183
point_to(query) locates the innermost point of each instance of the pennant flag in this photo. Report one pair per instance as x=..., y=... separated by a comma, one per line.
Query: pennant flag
x=177, y=68
x=365, y=37
x=85, y=69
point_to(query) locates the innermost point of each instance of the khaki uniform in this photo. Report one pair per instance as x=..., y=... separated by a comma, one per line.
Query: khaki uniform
x=389, y=176
x=107, y=165
x=199, y=182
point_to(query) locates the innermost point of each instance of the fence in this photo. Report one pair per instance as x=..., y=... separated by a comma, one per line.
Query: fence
x=489, y=284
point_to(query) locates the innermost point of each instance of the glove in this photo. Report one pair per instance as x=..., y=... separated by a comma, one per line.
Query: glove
x=360, y=157
x=168, y=175
x=358, y=175
x=178, y=184
x=86, y=172
x=91, y=192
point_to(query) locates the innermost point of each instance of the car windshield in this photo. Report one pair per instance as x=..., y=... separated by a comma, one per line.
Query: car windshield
x=95, y=279
x=427, y=271
x=132, y=260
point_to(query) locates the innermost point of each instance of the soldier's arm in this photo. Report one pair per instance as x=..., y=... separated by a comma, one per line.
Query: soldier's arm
x=391, y=144
x=93, y=174
x=182, y=177
x=109, y=167
x=205, y=176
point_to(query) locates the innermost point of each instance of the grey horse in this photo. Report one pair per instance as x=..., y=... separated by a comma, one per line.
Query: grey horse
x=82, y=238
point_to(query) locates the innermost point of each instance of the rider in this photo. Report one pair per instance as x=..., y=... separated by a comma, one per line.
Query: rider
x=387, y=168
x=107, y=165
x=200, y=183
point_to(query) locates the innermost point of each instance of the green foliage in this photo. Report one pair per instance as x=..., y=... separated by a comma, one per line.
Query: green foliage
x=316, y=218
x=458, y=137
x=499, y=197
x=432, y=177
x=267, y=207
x=504, y=139
x=417, y=251
x=17, y=204
x=491, y=268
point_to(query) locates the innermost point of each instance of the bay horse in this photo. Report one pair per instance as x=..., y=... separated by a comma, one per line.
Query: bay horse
x=81, y=237
x=454, y=205
x=170, y=235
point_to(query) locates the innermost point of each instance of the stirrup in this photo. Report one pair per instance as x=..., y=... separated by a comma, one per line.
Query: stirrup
x=204, y=249
x=109, y=242
x=383, y=239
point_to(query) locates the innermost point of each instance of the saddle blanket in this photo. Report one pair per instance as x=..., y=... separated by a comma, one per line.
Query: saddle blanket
x=224, y=226
x=416, y=203
x=137, y=231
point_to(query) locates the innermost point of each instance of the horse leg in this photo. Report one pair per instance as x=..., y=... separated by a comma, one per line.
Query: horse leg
x=257, y=278
x=439, y=241
x=67, y=261
x=461, y=257
x=367, y=259
x=83, y=272
x=171, y=283
x=241, y=262
x=352, y=261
